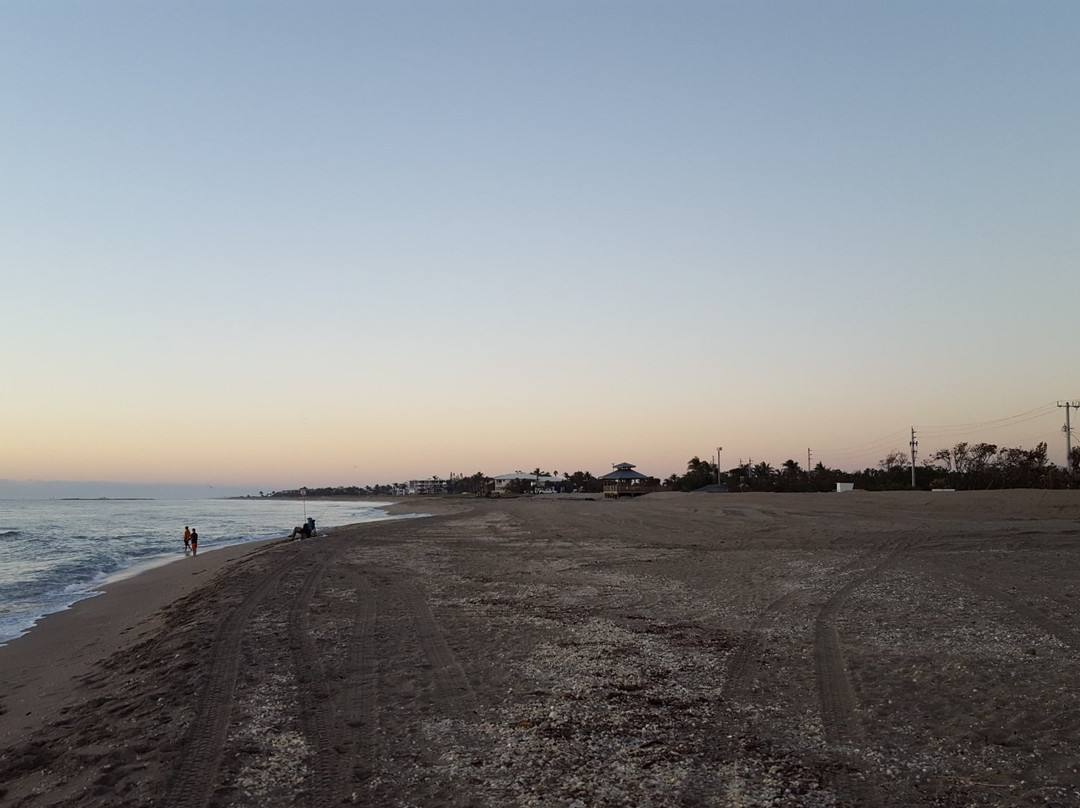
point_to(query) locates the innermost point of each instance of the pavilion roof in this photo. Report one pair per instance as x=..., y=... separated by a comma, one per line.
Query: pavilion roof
x=622, y=473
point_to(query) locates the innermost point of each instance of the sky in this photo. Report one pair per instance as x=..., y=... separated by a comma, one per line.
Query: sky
x=258, y=245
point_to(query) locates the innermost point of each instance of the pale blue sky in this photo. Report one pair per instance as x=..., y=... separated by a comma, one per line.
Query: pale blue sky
x=500, y=235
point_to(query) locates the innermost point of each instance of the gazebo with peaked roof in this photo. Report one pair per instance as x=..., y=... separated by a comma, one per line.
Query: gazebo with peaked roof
x=623, y=481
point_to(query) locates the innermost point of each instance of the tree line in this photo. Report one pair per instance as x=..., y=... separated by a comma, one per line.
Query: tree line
x=964, y=466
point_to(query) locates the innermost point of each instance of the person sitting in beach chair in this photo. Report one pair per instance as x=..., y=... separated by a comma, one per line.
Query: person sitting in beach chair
x=301, y=532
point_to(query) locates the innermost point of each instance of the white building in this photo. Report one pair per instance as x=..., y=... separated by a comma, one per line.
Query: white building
x=429, y=486
x=540, y=482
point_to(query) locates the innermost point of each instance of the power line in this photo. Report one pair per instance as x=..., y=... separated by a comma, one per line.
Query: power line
x=966, y=433
x=945, y=431
x=861, y=448
x=1040, y=408
x=1037, y=437
x=894, y=440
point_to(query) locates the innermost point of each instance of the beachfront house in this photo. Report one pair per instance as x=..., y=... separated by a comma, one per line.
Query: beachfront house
x=540, y=482
x=624, y=481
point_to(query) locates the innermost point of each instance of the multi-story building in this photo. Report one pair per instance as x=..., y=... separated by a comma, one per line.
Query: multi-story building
x=430, y=486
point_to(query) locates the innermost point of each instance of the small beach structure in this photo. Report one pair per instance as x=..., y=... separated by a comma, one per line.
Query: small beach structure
x=624, y=481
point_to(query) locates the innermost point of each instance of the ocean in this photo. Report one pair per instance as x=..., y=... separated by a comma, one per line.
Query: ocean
x=54, y=553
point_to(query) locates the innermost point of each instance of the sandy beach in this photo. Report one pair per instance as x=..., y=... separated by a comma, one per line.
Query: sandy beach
x=901, y=649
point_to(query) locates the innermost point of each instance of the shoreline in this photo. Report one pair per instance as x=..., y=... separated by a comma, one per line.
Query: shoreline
x=41, y=669
x=63, y=572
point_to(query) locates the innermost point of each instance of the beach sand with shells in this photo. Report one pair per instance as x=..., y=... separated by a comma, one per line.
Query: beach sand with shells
x=857, y=649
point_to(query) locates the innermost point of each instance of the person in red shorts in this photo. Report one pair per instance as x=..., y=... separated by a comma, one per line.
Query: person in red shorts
x=194, y=542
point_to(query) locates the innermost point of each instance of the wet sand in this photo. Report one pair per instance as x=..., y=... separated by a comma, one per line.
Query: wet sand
x=675, y=650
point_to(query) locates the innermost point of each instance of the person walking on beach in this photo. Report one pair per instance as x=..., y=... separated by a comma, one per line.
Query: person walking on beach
x=187, y=539
x=194, y=542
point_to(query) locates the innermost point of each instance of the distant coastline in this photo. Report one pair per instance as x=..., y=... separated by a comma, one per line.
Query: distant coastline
x=106, y=499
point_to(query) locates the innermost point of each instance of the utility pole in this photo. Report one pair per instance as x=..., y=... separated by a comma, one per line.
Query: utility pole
x=719, y=449
x=914, y=446
x=808, y=463
x=1067, y=429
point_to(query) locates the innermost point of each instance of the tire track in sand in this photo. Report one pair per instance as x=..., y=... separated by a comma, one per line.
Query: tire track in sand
x=451, y=682
x=338, y=724
x=426, y=701
x=748, y=654
x=313, y=691
x=359, y=695
x=705, y=784
x=836, y=694
x=201, y=751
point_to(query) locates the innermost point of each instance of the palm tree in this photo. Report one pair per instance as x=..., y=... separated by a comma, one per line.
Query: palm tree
x=763, y=471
